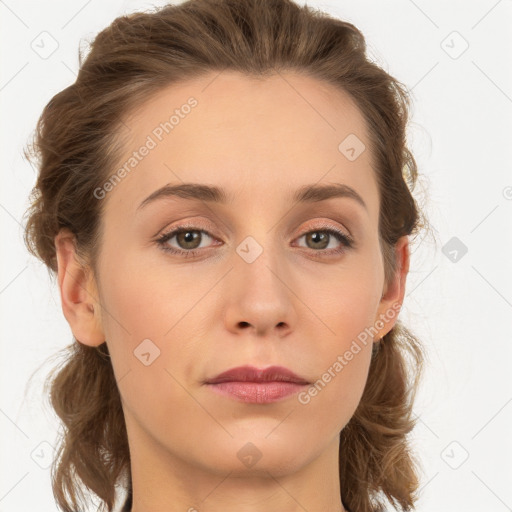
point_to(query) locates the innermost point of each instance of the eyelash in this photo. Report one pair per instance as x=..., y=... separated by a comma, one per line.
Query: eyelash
x=347, y=242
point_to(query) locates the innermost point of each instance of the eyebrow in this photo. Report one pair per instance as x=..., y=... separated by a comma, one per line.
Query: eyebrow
x=214, y=194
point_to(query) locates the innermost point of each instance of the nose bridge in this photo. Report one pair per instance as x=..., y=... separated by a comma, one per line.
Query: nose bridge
x=259, y=263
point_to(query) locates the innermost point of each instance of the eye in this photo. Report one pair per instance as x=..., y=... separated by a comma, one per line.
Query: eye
x=320, y=238
x=190, y=238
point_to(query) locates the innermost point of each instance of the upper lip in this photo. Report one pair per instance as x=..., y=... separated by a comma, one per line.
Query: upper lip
x=253, y=374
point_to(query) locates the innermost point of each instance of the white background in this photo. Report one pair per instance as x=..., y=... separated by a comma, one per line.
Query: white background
x=461, y=135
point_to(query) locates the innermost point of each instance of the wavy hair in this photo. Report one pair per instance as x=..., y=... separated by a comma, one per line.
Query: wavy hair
x=76, y=144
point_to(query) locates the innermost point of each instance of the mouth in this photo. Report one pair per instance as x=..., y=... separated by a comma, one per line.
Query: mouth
x=252, y=385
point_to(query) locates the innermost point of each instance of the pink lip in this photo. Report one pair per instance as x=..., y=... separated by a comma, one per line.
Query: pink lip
x=252, y=385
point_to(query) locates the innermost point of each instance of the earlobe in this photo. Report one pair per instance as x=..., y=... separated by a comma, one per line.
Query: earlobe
x=79, y=296
x=393, y=296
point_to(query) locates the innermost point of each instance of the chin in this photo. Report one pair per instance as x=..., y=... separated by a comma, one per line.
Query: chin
x=256, y=454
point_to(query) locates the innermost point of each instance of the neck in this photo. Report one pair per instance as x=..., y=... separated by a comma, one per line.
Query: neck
x=162, y=481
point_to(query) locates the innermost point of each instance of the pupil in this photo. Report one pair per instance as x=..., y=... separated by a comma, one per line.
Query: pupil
x=318, y=237
x=188, y=237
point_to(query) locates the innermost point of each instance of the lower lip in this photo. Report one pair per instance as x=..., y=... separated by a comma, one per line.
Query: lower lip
x=256, y=392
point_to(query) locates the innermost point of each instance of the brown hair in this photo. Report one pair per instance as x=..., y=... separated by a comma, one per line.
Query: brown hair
x=76, y=145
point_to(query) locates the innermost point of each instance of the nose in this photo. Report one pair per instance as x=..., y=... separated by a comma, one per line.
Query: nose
x=260, y=297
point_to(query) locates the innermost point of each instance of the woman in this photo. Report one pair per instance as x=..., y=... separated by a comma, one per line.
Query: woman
x=225, y=196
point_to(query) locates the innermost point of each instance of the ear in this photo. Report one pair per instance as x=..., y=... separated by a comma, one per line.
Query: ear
x=393, y=296
x=78, y=291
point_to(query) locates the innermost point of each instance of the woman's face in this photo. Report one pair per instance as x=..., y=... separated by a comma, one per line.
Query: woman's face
x=259, y=278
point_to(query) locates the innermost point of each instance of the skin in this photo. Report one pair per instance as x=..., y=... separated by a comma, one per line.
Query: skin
x=293, y=306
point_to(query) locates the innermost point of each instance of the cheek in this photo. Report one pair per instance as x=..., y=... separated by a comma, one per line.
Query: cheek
x=141, y=301
x=349, y=309
x=342, y=365
x=131, y=311
x=350, y=300
x=145, y=309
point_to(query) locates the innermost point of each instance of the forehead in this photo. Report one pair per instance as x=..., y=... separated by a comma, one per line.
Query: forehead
x=245, y=134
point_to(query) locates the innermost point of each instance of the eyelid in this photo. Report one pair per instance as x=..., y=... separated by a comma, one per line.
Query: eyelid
x=199, y=225
x=326, y=224
x=209, y=227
